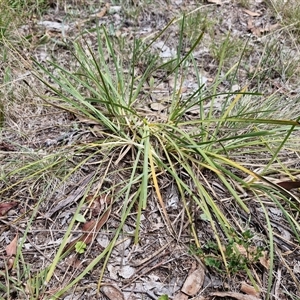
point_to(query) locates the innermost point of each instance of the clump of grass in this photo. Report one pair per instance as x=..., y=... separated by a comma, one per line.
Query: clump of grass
x=286, y=58
x=226, y=49
x=108, y=90
x=278, y=62
x=196, y=23
x=111, y=97
x=28, y=7
x=288, y=12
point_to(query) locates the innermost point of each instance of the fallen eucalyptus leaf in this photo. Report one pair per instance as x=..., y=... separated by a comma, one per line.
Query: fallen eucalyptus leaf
x=112, y=292
x=194, y=282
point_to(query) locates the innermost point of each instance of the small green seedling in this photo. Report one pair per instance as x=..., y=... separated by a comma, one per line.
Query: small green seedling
x=163, y=297
x=80, y=218
x=80, y=247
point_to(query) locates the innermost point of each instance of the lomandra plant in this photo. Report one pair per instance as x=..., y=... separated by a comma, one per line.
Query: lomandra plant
x=111, y=91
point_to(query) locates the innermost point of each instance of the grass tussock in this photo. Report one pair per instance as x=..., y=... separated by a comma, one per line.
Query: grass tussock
x=138, y=137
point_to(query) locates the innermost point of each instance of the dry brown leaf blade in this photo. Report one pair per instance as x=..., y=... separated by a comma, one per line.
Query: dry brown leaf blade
x=89, y=225
x=289, y=185
x=11, y=249
x=251, y=13
x=98, y=204
x=234, y=295
x=194, y=282
x=6, y=206
x=92, y=229
x=249, y=289
x=103, y=11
